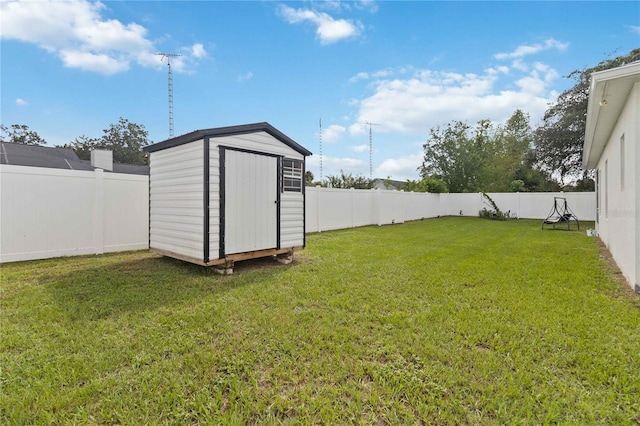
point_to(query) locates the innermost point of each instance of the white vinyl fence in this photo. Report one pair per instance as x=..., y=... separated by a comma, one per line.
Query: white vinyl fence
x=52, y=212
x=328, y=209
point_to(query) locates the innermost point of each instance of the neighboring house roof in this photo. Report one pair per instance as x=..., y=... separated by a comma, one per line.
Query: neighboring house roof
x=228, y=131
x=607, y=96
x=56, y=158
x=387, y=184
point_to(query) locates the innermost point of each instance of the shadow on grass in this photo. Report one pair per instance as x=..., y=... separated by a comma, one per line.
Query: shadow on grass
x=100, y=289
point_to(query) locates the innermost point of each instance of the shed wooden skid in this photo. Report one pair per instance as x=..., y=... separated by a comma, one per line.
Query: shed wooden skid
x=221, y=195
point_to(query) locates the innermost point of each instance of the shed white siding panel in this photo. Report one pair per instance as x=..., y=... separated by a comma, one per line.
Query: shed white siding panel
x=214, y=201
x=259, y=142
x=176, y=199
x=291, y=219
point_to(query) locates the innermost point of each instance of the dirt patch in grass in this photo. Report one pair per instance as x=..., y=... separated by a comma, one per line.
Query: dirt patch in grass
x=614, y=271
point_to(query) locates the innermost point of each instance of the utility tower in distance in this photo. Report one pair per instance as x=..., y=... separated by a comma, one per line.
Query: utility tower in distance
x=320, y=134
x=170, y=81
x=371, y=147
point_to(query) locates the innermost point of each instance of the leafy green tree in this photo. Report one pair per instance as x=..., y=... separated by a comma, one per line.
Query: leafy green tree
x=427, y=184
x=20, y=133
x=516, y=186
x=308, y=178
x=560, y=138
x=453, y=156
x=124, y=138
x=83, y=146
x=505, y=153
x=488, y=157
x=585, y=184
x=347, y=181
x=534, y=179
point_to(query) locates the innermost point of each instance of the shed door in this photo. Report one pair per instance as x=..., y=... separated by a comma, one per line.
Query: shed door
x=251, y=202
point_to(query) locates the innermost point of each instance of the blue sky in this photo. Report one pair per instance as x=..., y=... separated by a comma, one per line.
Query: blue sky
x=72, y=68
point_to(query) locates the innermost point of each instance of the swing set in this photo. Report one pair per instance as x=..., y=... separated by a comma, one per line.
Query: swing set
x=560, y=214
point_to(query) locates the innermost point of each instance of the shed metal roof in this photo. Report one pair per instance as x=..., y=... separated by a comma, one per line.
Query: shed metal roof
x=228, y=131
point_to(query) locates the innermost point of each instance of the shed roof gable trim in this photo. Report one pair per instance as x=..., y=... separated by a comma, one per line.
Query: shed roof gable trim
x=228, y=131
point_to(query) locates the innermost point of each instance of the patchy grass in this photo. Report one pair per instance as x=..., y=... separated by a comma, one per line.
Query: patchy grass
x=443, y=321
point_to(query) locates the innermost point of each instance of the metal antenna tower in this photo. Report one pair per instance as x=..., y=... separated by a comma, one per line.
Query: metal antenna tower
x=321, y=150
x=170, y=83
x=371, y=147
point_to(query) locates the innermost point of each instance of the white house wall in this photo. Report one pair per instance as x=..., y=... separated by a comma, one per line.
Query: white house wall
x=618, y=220
x=176, y=197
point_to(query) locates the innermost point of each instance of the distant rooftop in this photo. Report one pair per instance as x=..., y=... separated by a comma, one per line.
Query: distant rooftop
x=56, y=158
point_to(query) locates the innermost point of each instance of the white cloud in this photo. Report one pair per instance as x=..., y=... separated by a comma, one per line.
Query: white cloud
x=525, y=50
x=81, y=37
x=21, y=102
x=197, y=50
x=402, y=168
x=339, y=6
x=88, y=61
x=383, y=73
x=634, y=28
x=328, y=29
x=356, y=129
x=246, y=76
x=358, y=77
x=431, y=98
x=370, y=5
x=333, y=166
x=332, y=133
x=359, y=148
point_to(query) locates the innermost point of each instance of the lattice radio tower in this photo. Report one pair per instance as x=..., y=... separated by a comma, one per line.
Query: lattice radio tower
x=170, y=83
x=371, y=147
x=321, y=150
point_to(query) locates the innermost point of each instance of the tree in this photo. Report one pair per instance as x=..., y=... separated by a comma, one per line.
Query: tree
x=487, y=158
x=452, y=156
x=20, y=133
x=125, y=139
x=560, y=138
x=428, y=184
x=308, y=178
x=505, y=153
x=347, y=181
x=83, y=146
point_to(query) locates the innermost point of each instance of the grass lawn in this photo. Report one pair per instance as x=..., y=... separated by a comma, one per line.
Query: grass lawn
x=442, y=321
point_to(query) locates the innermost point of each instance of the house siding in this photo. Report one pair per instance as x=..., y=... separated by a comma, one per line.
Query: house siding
x=618, y=215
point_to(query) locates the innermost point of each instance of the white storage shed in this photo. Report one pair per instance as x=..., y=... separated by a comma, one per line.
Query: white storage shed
x=226, y=194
